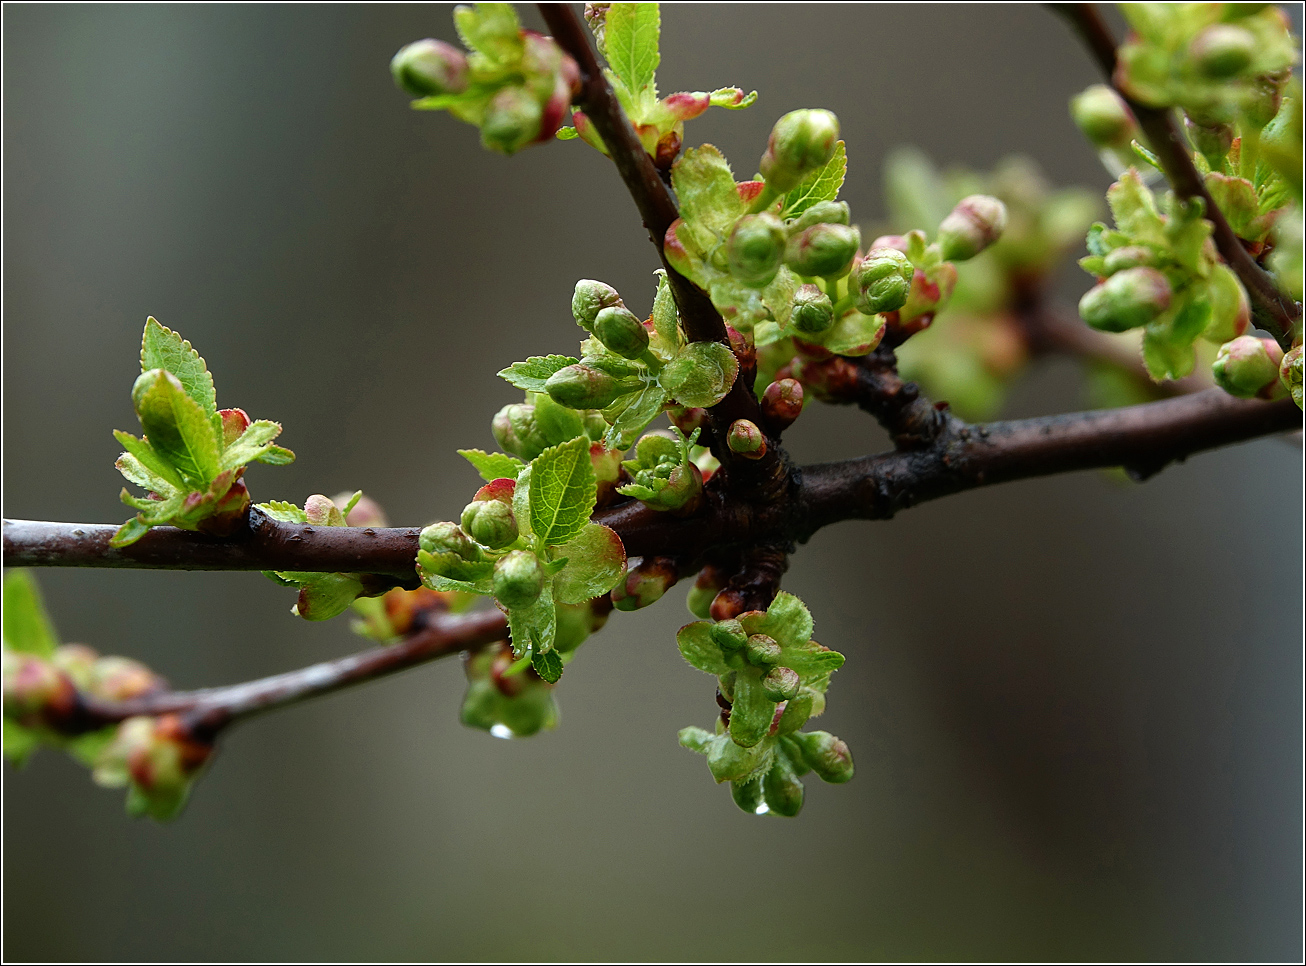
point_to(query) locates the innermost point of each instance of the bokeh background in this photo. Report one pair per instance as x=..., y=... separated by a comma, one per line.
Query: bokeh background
x=1075, y=704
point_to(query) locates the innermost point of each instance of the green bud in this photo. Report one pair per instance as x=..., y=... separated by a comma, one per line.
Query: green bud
x=782, y=789
x=1290, y=374
x=813, y=311
x=647, y=579
x=826, y=755
x=621, y=331
x=748, y=796
x=78, y=662
x=782, y=403
x=589, y=299
x=516, y=431
x=1222, y=50
x=490, y=523
x=975, y=224
x=1248, y=367
x=756, y=248
x=447, y=537
x=762, y=651
x=823, y=251
x=746, y=440
x=583, y=387
x=428, y=67
x=800, y=142
x=729, y=635
x=1104, y=117
x=781, y=683
x=518, y=579
x=1126, y=300
x=821, y=213
x=1211, y=141
x=511, y=121
x=1131, y=256
x=883, y=280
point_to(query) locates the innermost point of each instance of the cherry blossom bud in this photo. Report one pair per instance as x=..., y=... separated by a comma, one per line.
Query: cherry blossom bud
x=78, y=662
x=1290, y=374
x=518, y=579
x=1104, y=117
x=800, y=142
x=821, y=213
x=1126, y=300
x=826, y=755
x=1212, y=141
x=975, y=224
x=428, y=67
x=782, y=403
x=762, y=650
x=746, y=440
x=883, y=279
x=35, y=689
x=320, y=511
x=1248, y=367
x=1222, y=50
x=823, y=251
x=781, y=789
x=781, y=683
x=490, y=523
x=621, y=331
x=647, y=579
x=729, y=635
x=707, y=584
x=516, y=432
x=590, y=298
x=813, y=312
x=121, y=679
x=582, y=386
x=512, y=121
x=756, y=249
x=446, y=537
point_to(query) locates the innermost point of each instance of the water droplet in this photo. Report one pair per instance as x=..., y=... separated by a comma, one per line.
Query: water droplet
x=762, y=809
x=500, y=731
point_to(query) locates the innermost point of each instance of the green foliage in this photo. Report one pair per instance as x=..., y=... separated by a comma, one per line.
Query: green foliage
x=321, y=595
x=27, y=625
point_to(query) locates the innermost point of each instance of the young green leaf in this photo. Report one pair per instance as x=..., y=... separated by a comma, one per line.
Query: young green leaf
x=706, y=190
x=562, y=491
x=135, y=472
x=822, y=184
x=251, y=444
x=129, y=533
x=596, y=559
x=491, y=29
x=175, y=425
x=149, y=459
x=631, y=42
x=283, y=511
x=492, y=466
x=631, y=414
x=534, y=627
x=532, y=374
x=665, y=320
x=274, y=455
x=698, y=648
x=751, y=711
x=547, y=664
x=27, y=625
x=161, y=348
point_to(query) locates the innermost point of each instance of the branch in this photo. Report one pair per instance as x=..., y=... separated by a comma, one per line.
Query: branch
x=1272, y=312
x=208, y=711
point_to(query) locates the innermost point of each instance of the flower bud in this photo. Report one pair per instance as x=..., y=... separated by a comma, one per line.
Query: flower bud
x=428, y=67
x=883, y=280
x=121, y=679
x=78, y=662
x=1104, y=117
x=975, y=224
x=447, y=537
x=511, y=121
x=1222, y=50
x=320, y=511
x=1212, y=141
x=1126, y=300
x=1130, y=256
x=762, y=651
x=782, y=403
x=366, y=512
x=687, y=418
x=748, y=796
x=821, y=213
x=827, y=755
x=800, y=142
x=746, y=440
x=1248, y=367
x=781, y=683
x=35, y=689
x=1290, y=373
x=824, y=251
x=581, y=386
x=589, y=299
x=756, y=248
x=490, y=523
x=621, y=331
x=729, y=635
x=782, y=789
x=647, y=579
x=159, y=757
x=518, y=579
x=813, y=311
x=516, y=431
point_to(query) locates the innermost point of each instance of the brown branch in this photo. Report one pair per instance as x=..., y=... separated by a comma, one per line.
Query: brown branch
x=1271, y=311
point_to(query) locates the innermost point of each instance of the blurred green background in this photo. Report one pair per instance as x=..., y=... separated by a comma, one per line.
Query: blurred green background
x=1075, y=704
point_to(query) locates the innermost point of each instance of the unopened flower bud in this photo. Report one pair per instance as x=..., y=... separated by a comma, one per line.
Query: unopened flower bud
x=581, y=386
x=621, y=331
x=756, y=248
x=827, y=755
x=1126, y=300
x=159, y=757
x=813, y=311
x=1248, y=367
x=35, y=688
x=518, y=579
x=782, y=403
x=78, y=662
x=447, y=537
x=1211, y=141
x=121, y=679
x=1104, y=117
x=1222, y=50
x=428, y=67
x=590, y=298
x=975, y=224
x=781, y=683
x=746, y=440
x=782, y=789
x=800, y=142
x=823, y=251
x=748, y=796
x=729, y=635
x=1130, y=256
x=883, y=280
x=688, y=418
x=515, y=430
x=490, y=523
x=762, y=650
x=1290, y=374
x=511, y=121
x=647, y=579
x=321, y=511
x=821, y=213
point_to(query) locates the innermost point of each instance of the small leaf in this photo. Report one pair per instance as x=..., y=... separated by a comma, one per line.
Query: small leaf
x=283, y=511
x=177, y=428
x=567, y=133
x=492, y=466
x=701, y=374
x=323, y=596
x=532, y=374
x=19, y=743
x=696, y=739
x=596, y=559
x=556, y=422
x=631, y=44
x=135, y=472
x=666, y=322
x=751, y=711
x=548, y=665
x=250, y=444
x=821, y=185
x=732, y=98
x=562, y=491
x=697, y=647
x=706, y=190
x=787, y=620
x=161, y=348
x=26, y=623
x=149, y=459
x=275, y=456
x=631, y=414
x=729, y=761
x=533, y=628
x=129, y=533
x=491, y=29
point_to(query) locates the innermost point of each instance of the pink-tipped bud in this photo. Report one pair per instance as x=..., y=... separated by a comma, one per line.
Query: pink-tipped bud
x=975, y=224
x=1126, y=300
x=321, y=511
x=1248, y=367
x=782, y=403
x=746, y=439
x=647, y=579
x=428, y=67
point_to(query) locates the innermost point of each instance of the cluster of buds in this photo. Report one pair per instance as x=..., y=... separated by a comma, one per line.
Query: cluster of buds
x=396, y=612
x=515, y=85
x=508, y=700
x=663, y=475
x=42, y=692
x=158, y=759
x=527, y=429
x=464, y=553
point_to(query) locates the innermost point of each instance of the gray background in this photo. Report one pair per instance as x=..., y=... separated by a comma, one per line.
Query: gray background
x=1075, y=704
